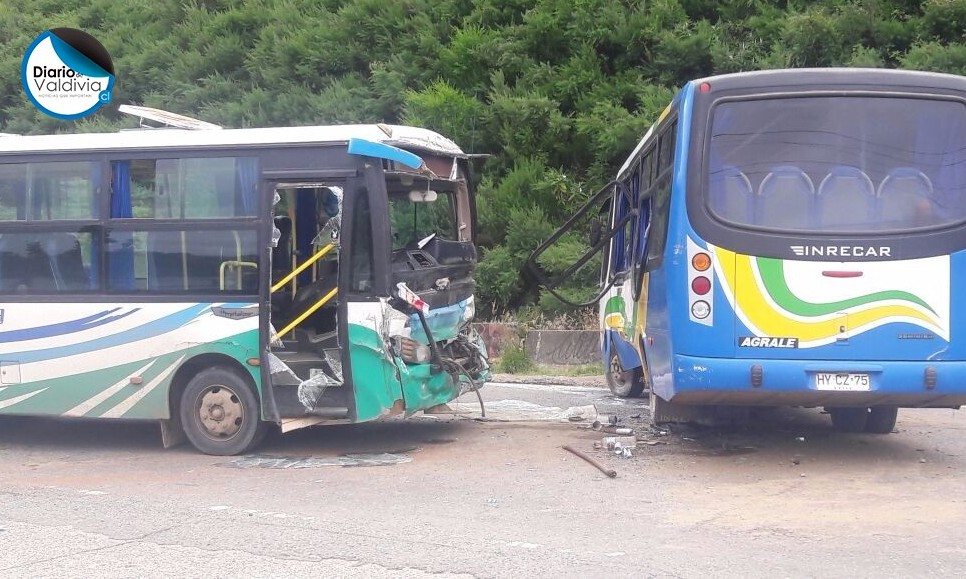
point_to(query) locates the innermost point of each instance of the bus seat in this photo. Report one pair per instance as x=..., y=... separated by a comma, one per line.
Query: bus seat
x=785, y=198
x=66, y=261
x=13, y=261
x=846, y=199
x=732, y=195
x=25, y=268
x=905, y=198
x=167, y=263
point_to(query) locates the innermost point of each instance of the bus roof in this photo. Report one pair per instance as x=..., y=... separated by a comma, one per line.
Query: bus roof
x=878, y=77
x=773, y=79
x=181, y=139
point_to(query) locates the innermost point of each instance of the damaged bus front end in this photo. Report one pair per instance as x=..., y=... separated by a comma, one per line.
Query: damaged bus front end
x=388, y=326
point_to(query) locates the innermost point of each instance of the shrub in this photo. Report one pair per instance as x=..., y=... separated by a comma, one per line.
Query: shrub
x=514, y=360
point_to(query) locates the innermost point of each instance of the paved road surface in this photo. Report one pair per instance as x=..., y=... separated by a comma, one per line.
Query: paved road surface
x=453, y=496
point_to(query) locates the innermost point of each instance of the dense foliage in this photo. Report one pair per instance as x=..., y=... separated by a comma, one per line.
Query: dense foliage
x=556, y=91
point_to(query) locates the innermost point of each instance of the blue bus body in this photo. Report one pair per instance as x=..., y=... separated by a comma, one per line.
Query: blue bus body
x=800, y=240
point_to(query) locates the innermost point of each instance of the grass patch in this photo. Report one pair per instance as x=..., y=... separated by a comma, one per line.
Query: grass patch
x=514, y=360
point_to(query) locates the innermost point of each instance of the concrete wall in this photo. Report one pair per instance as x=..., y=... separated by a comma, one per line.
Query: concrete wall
x=563, y=346
x=495, y=336
x=558, y=347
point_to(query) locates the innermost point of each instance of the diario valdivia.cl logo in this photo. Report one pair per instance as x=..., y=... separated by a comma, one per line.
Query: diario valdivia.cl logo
x=67, y=73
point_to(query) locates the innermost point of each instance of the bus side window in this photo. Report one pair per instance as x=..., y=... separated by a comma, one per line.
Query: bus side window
x=785, y=198
x=846, y=199
x=42, y=263
x=167, y=267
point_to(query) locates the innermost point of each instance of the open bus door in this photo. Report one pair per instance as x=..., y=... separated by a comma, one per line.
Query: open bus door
x=307, y=218
x=612, y=220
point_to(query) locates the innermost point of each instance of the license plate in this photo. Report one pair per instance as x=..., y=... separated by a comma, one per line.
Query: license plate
x=849, y=381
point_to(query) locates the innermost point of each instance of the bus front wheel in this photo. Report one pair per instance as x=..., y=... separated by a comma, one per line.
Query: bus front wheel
x=623, y=383
x=220, y=413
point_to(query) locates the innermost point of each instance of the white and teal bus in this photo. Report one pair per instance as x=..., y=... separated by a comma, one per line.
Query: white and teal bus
x=225, y=281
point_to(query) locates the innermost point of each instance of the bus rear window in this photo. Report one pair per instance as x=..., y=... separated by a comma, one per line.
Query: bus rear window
x=845, y=164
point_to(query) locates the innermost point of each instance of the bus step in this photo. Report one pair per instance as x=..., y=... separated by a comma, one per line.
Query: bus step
x=333, y=403
x=305, y=364
x=332, y=412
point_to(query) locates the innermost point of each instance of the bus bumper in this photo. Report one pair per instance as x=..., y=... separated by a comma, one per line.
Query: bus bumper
x=725, y=381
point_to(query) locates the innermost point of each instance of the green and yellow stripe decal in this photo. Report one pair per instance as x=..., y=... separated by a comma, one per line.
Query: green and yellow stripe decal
x=759, y=292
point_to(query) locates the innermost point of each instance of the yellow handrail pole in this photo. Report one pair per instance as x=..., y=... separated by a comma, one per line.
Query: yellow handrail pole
x=308, y=312
x=302, y=267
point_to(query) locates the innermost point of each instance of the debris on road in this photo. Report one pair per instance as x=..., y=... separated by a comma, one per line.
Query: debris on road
x=608, y=471
x=617, y=442
x=287, y=462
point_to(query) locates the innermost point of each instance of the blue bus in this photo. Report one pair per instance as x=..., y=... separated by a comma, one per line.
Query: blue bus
x=789, y=238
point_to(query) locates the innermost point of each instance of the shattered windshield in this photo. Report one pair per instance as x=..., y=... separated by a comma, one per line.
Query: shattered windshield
x=415, y=219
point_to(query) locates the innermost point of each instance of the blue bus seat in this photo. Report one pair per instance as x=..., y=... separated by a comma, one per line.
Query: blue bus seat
x=785, y=198
x=846, y=199
x=732, y=195
x=905, y=198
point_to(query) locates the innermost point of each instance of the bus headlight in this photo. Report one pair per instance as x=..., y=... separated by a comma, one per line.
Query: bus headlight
x=700, y=309
x=410, y=350
x=469, y=310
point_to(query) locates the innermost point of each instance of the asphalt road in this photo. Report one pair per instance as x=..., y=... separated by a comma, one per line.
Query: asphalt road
x=453, y=495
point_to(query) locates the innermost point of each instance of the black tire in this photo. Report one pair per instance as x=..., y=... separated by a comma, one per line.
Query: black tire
x=882, y=419
x=623, y=383
x=850, y=420
x=220, y=413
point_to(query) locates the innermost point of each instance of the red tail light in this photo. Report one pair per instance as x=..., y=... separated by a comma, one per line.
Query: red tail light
x=701, y=285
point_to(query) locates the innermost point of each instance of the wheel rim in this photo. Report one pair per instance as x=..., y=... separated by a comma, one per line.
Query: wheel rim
x=617, y=374
x=220, y=412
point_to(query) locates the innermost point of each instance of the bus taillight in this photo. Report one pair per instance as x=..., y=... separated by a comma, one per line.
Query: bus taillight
x=701, y=261
x=701, y=285
x=700, y=309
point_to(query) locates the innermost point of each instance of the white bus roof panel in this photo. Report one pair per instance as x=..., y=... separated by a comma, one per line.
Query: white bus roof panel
x=164, y=138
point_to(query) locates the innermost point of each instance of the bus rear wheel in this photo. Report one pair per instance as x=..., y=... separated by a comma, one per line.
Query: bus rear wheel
x=850, y=420
x=220, y=413
x=882, y=419
x=623, y=383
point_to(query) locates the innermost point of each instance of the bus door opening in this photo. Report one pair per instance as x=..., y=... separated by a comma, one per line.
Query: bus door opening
x=305, y=278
